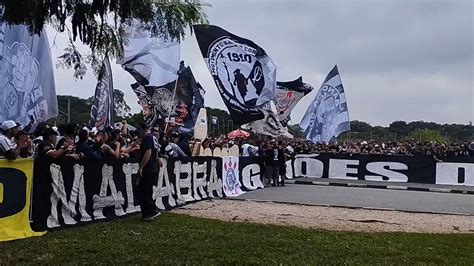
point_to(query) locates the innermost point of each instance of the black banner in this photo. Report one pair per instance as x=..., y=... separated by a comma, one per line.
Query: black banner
x=392, y=168
x=69, y=193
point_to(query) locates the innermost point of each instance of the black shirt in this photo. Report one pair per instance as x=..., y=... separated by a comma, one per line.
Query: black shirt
x=149, y=143
x=85, y=149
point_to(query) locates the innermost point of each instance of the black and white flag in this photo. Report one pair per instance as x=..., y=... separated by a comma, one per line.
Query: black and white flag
x=158, y=103
x=102, y=110
x=328, y=115
x=152, y=61
x=287, y=95
x=243, y=72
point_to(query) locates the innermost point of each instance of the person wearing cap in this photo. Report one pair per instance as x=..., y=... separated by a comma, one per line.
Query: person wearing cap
x=148, y=171
x=172, y=149
x=46, y=150
x=8, y=147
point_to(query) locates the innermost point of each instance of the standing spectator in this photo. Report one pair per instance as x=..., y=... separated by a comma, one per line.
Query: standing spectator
x=172, y=149
x=470, y=149
x=183, y=144
x=25, y=144
x=272, y=163
x=83, y=148
x=148, y=172
x=68, y=134
x=8, y=147
x=45, y=149
x=282, y=156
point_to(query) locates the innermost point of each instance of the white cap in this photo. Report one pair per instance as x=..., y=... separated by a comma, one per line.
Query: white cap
x=9, y=124
x=363, y=142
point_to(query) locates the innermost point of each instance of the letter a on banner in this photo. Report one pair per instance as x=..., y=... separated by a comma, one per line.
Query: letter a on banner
x=15, y=191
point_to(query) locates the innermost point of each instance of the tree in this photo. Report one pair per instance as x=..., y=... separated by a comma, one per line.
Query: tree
x=360, y=126
x=423, y=135
x=98, y=23
x=120, y=105
x=399, y=127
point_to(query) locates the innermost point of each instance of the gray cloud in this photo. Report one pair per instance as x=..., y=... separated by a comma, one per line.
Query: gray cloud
x=399, y=60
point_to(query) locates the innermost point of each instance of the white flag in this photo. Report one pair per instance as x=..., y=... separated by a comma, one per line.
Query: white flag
x=328, y=115
x=27, y=89
x=151, y=61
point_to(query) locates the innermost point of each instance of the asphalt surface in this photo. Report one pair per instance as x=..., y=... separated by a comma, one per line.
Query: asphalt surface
x=415, y=201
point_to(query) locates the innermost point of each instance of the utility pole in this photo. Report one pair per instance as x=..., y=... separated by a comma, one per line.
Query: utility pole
x=68, y=114
x=68, y=109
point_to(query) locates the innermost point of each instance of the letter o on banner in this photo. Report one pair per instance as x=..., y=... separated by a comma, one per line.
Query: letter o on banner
x=308, y=167
x=13, y=198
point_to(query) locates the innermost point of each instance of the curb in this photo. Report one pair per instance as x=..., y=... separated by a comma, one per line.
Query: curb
x=351, y=207
x=392, y=187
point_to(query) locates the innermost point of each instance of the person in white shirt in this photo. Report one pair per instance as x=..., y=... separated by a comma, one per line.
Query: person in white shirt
x=249, y=150
x=8, y=147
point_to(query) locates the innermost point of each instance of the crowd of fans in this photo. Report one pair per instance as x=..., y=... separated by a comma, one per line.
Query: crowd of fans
x=147, y=145
x=114, y=143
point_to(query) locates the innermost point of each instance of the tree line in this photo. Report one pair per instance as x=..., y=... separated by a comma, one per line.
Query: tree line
x=396, y=131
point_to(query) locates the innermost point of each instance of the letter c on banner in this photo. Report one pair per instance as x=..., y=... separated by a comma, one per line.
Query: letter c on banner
x=13, y=195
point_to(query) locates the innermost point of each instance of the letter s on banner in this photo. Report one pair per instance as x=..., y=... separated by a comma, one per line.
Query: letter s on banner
x=455, y=174
x=385, y=169
x=16, y=181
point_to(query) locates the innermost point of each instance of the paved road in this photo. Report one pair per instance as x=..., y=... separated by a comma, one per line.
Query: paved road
x=367, y=197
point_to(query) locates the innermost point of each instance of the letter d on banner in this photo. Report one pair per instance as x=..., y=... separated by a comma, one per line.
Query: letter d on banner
x=16, y=181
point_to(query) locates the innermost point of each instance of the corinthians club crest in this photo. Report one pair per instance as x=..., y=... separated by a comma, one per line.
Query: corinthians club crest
x=236, y=71
x=231, y=177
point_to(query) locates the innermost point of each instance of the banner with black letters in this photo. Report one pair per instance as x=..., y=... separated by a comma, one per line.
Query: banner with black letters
x=391, y=168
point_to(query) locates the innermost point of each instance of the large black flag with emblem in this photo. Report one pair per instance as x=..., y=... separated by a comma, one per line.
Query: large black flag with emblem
x=243, y=72
x=327, y=115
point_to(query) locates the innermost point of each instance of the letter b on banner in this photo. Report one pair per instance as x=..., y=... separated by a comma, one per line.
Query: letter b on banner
x=13, y=198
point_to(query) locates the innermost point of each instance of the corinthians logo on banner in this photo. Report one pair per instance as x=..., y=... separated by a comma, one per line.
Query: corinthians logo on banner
x=244, y=74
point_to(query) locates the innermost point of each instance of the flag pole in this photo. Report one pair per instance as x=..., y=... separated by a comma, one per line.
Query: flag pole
x=171, y=105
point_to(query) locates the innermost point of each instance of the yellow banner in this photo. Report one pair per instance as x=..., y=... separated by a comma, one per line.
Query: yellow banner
x=16, y=179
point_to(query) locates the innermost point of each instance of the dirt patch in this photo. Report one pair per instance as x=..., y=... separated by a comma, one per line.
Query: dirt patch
x=342, y=219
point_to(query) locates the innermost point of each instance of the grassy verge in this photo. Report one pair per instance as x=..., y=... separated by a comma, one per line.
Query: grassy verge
x=174, y=238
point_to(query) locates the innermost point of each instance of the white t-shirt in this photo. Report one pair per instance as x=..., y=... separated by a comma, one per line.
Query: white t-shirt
x=249, y=150
x=6, y=144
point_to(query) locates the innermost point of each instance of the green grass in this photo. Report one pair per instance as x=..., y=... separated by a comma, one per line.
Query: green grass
x=181, y=239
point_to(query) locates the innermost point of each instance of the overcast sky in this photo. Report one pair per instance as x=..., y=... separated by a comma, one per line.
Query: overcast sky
x=399, y=59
